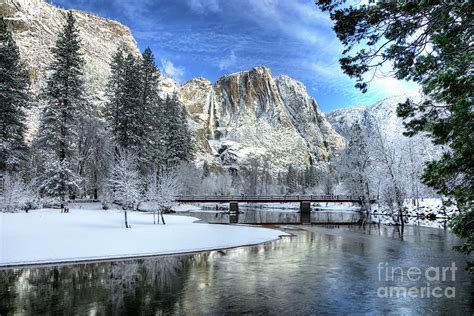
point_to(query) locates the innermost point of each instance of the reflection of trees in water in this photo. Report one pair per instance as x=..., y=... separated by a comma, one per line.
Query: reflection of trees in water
x=7, y=295
x=132, y=286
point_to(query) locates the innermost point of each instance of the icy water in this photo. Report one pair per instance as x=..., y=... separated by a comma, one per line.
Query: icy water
x=332, y=269
x=321, y=216
x=276, y=216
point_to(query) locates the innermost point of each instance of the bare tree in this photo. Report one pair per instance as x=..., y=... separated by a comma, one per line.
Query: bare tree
x=390, y=162
x=218, y=184
x=124, y=182
x=14, y=193
x=355, y=165
x=162, y=190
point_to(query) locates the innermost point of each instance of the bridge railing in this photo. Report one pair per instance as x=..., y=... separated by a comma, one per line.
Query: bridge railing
x=276, y=198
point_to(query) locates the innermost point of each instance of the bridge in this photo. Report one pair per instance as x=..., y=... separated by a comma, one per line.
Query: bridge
x=267, y=199
x=304, y=200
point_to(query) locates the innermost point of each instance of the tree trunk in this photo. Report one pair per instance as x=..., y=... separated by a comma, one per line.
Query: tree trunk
x=162, y=218
x=126, y=220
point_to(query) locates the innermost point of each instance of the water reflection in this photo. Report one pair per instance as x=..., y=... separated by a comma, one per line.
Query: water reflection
x=332, y=269
x=282, y=216
x=275, y=216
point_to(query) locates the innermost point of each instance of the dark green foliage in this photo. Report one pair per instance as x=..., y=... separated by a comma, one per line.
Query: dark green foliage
x=64, y=106
x=153, y=128
x=205, y=169
x=428, y=42
x=292, y=179
x=13, y=102
x=176, y=134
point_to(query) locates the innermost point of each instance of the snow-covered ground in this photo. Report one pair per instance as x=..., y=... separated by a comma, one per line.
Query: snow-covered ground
x=46, y=235
x=426, y=206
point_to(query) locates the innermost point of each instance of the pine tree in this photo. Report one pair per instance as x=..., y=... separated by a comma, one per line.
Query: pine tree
x=114, y=91
x=134, y=109
x=151, y=108
x=292, y=179
x=311, y=177
x=65, y=103
x=13, y=102
x=205, y=169
x=177, y=136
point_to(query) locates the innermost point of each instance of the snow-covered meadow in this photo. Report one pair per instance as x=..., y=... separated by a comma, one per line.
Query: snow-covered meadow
x=46, y=235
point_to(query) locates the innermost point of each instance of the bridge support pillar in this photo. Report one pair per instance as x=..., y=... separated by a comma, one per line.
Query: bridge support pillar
x=234, y=207
x=305, y=212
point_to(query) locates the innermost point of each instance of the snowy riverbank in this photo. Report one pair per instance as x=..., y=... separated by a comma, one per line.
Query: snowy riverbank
x=46, y=235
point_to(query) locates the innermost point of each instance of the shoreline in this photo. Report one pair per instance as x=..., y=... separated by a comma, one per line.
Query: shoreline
x=49, y=263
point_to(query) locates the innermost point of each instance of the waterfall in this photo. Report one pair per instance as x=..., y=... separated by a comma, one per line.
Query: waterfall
x=212, y=122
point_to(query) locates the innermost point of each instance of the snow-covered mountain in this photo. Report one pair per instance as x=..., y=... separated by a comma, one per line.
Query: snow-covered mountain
x=240, y=116
x=252, y=114
x=383, y=113
x=35, y=25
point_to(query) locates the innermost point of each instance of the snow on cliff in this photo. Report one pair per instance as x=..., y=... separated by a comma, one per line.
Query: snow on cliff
x=251, y=114
x=383, y=114
x=35, y=25
x=245, y=115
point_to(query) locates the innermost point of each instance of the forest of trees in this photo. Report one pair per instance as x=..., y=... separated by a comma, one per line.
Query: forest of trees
x=138, y=146
x=79, y=150
x=429, y=43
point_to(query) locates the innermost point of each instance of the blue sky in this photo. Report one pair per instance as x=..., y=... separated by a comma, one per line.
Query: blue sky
x=211, y=38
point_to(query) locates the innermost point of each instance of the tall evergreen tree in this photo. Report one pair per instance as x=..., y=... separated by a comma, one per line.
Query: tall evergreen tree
x=65, y=103
x=178, y=146
x=134, y=108
x=13, y=102
x=114, y=91
x=151, y=107
x=292, y=179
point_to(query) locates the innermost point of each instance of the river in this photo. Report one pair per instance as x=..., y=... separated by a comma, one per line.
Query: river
x=330, y=269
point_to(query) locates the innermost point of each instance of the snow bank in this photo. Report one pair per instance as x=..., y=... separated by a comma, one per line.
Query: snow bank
x=46, y=235
x=427, y=206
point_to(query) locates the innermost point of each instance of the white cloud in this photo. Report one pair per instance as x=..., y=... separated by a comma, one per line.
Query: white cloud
x=228, y=62
x=171, y=70
x=204, y=6
x=329, y=77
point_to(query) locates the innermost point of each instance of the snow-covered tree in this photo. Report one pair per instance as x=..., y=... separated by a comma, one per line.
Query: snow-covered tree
x=13, y=102
x=135, y=113
x=355, y=165
x=218, y=184
x=311, y=177
x=162, y=190
x=292, y=179
x=124, y=182
x=391, y=168
x=65, y=103
x=205, y=169
x=190, y=178
x=177, y=136
x=14, y=193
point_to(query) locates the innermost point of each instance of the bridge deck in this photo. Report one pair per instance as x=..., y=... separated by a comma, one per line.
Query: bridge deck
x=267, y=199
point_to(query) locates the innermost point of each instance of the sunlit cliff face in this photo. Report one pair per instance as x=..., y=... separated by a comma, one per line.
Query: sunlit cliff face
x=240, y=117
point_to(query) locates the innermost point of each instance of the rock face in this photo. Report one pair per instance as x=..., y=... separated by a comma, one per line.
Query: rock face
x=35, y=25
x=245, y=115
x=251, y=114
x=383, y=113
